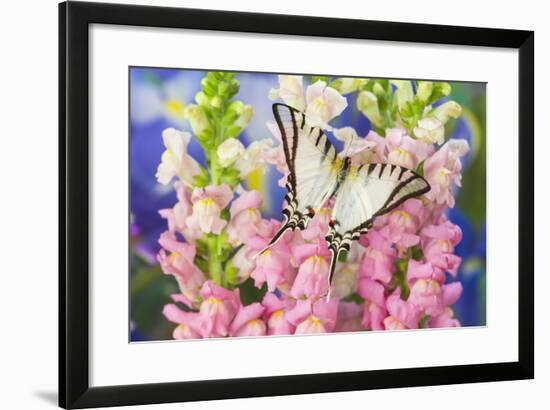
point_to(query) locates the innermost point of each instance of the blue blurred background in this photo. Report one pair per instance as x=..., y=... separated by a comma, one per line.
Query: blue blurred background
x=157, y=99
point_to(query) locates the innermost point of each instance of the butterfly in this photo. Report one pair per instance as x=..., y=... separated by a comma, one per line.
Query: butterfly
x=317, y=173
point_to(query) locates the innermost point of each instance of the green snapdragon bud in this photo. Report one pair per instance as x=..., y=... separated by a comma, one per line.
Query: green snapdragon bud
x=444, y=112
x=367, y=103
x=197, y=118
x=404, y=92
x=424, y=90
x=346, y=85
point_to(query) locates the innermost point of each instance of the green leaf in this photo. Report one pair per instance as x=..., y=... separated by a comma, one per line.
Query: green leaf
x=232, y=131
x=424, y=90
x=232, y=274
x=144, y=278
x=201, y=263
x=411, y=112
x=416, y=253
x=424, y=322
x=420, y=168
x=225, y=214
x=324, y=78
x=250, y=293
x=230, y=176
x=401, y=276
x=150, y=291
x=201, y=180
x=355, y=298
x=343, y=256
x=439, y=90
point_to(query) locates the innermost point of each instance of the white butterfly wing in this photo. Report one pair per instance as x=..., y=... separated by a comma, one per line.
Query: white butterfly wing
x=313, y=164
x=365, y=193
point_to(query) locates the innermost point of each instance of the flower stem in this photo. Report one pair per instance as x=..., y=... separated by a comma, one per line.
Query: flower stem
x=214, y=168
x=214, y=263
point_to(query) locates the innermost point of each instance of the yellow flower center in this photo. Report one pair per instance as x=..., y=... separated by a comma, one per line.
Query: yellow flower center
x=174, y=107
x=206, y=201
x=402, y=216
x=173, y=256
x=443, y=176
x=315, y=320
x=374, y=253
x=316, y=259
x=445, y=245
x=214, y=301
x=325, y=212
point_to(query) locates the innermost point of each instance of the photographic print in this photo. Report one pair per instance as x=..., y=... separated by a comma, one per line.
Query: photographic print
x=269, y=204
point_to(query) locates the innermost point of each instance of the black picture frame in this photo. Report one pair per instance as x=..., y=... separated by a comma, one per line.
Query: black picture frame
x=74, y=21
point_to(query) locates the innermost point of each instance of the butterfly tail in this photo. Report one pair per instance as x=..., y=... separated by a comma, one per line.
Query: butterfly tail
x=332, y=269
x=276, y=238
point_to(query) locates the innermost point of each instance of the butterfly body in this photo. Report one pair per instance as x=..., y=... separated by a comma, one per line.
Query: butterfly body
x=318, y=174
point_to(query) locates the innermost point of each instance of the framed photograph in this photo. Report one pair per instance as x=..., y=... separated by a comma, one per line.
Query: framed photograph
x=256, y=204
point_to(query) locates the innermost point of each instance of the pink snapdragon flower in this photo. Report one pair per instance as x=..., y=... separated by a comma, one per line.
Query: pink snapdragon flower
x=276, y=155
x=346, y=276
x=312, y=277
x=398, y=148
x=443, y=168
x=273, y=266
x=176, y=161
x=427, y=295
x=245, y=261
x=275, y=314
x=400, y=226
x=207, y=206
x=451, y=293
x=188, y=322
x=438, y=244
x=217, y=310
x=177, y=216
x=374, y=309
x=323, y=104
x=359, y=149
x=378, y=258
x=374, y=316
x=446, y=319
x=402, y=313
x=318, y=226
x=403, y=150
x=345, y=279
x=350, y=317
x=248, y=322
x=314, y=317
x=246, y=219
x=391, y=323
x=179, y=262
x=291, y=91
x=372, y=291
x=420, y=270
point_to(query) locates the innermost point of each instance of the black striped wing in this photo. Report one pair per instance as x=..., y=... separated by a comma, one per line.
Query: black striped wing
x=313, y=164
x=365, y=193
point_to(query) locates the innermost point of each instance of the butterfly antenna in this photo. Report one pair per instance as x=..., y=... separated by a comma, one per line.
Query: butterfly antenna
x=348, y=148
